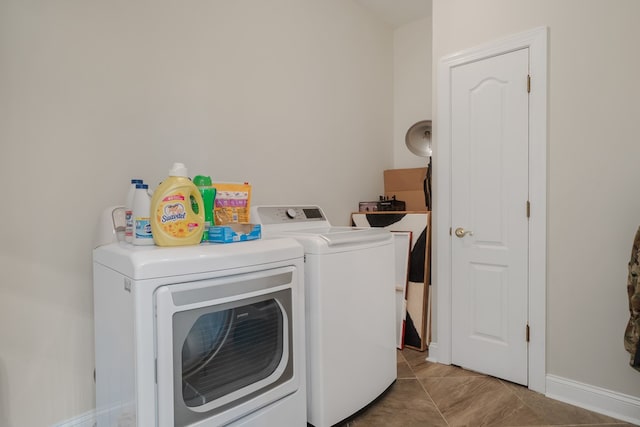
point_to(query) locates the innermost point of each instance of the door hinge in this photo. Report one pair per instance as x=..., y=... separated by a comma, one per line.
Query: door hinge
x=528, y=83
x=528, y=333
x=528, y=209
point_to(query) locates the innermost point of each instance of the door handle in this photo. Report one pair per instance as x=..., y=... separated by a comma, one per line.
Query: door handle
x=461, y=232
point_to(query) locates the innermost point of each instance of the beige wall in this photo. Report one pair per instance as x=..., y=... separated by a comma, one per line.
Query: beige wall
x=411, y=86
x=593, y=175
x=293, y=96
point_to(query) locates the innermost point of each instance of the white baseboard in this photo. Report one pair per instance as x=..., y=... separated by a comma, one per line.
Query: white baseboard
x=88, y=419
x=603, y=401
x=433, y=352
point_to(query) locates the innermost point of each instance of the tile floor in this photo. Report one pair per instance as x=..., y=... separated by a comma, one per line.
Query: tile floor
x=430, y=394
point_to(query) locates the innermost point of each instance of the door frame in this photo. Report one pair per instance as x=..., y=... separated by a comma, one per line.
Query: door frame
x=536, y=41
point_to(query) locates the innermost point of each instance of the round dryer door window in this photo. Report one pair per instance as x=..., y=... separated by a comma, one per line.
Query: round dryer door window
x=228, y=350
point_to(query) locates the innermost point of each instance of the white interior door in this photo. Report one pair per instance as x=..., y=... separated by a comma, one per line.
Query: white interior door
x=489, y=215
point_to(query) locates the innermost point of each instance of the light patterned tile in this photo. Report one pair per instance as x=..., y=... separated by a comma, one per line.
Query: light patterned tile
x=478, y=401
x=465, y=398
x=413, y=356
x=616, y=424
x=423, y=368
x=437, y=370
x=405, y=404
x=404, y=370
x=517, y=389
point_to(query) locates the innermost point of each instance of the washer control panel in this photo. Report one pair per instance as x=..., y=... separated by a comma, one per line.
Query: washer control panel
x=287, y=214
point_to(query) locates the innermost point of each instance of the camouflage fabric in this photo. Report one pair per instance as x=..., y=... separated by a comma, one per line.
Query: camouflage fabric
x=632, y=333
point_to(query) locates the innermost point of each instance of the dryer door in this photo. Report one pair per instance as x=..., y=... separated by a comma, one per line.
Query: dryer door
x=224, y=346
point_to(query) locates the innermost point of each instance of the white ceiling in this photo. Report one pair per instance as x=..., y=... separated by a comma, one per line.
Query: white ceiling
x=398, y=12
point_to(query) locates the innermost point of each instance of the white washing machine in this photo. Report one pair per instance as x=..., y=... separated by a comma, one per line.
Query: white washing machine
x=206, y=335
x=350, y=309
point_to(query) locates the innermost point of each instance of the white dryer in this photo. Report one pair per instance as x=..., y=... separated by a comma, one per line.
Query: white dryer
x=206, y=335
x=350, y=309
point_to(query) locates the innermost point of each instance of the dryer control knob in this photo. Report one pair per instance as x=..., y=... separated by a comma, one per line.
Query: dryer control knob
x=291, y=213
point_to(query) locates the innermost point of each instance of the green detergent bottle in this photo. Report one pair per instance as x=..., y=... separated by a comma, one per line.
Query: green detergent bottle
x=208, y=193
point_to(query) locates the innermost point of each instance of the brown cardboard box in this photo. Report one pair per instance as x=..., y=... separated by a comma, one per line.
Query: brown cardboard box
x=407, y=185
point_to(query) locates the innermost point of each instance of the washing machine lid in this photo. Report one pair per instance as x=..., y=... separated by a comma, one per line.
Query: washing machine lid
x=148, y=262
x=326, y=239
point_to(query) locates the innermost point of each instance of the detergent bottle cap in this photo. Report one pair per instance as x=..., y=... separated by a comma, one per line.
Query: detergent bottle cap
x=202, y=181
x=178, y=169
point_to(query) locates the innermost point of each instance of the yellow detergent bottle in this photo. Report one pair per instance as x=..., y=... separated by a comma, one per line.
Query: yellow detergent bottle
x=177, y=210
